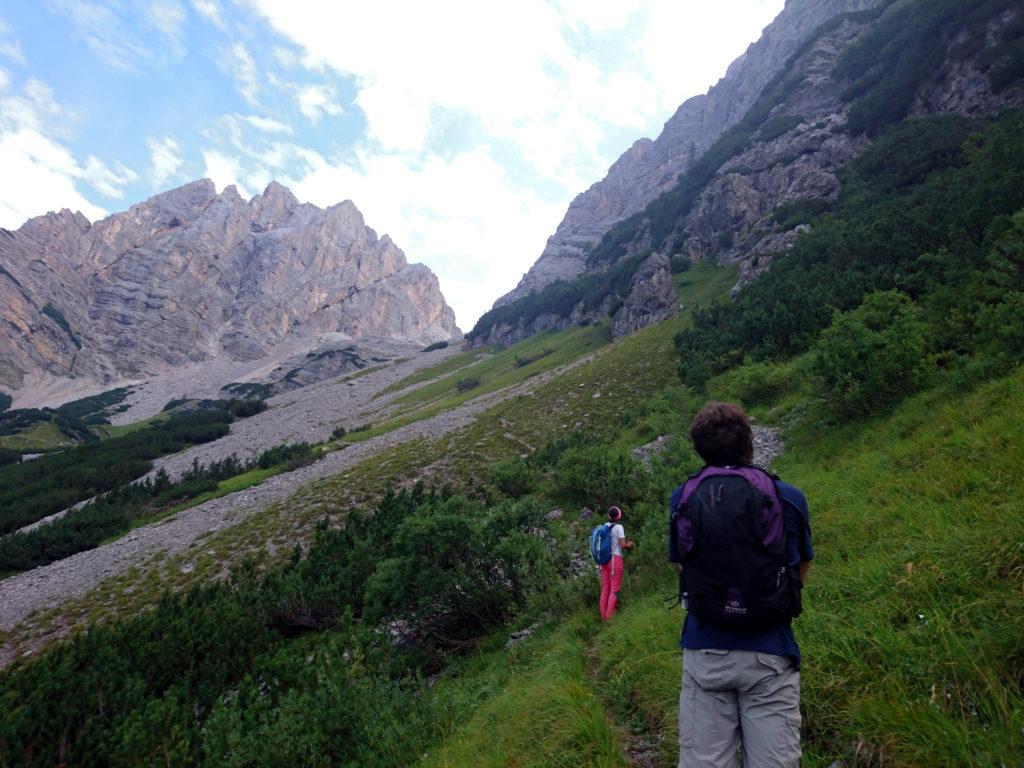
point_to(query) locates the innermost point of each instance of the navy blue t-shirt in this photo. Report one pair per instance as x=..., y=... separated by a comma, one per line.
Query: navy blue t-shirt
x=778, y=640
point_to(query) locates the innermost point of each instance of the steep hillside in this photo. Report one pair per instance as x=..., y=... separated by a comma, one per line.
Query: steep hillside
x=649, y=168
x=264, y=659
x=422, y=593
x=190, y=275
x=855, y=75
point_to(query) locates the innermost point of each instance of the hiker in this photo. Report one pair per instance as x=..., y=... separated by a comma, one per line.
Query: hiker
x=742, y=541
x=606, y=544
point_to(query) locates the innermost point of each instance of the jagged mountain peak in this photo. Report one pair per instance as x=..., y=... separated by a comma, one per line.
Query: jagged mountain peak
x=189, y=275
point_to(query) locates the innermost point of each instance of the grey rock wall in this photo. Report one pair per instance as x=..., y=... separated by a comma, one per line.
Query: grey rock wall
x=190, y=275
x=649, y=168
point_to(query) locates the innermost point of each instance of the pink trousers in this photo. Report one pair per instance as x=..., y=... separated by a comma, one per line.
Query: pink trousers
x=611, y=583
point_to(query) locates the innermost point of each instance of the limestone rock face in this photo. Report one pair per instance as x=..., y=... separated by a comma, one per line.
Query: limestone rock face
x=190, y=275
x=649, y=168
x=732, y=220
x=651, y=299
x=795, y=153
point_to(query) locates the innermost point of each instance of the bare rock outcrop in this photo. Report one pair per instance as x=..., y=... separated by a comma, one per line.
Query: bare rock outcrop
x=651, y=299
x=190, y=275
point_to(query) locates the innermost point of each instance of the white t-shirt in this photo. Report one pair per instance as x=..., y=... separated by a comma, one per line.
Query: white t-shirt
x=617, y=536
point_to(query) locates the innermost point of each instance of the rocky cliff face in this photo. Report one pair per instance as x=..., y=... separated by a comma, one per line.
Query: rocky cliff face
x=649, y=168
x=733, y=219
x=779, y=129
x=190, y=275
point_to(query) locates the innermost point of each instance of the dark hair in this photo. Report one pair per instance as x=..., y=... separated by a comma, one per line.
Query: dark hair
x=614, y=514
x=722, y=436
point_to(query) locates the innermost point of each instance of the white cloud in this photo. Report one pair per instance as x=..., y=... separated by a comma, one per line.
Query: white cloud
x=35, y=108
x=9, y=46
x=41, y=174
x=317, y=100
x=211, y=11
x=11, y=50
x=240, y=64
x=266, y=124
x=165, y=159
x=112, y=30
x=545, y=78
x=223, y=170
x=106, y=180
x=168, y=16
x=286, y=57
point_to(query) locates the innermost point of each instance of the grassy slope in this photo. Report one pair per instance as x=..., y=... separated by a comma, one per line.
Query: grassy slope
x=453, y=363
x=105, y=431
x=627, y=374
x=494, y=372
x=912, y=635
x=42, y=436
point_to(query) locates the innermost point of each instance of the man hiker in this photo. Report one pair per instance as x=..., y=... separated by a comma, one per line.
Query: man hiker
x=606, y=543
x=742, y=540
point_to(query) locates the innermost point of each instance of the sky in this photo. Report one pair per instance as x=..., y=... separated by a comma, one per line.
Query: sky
x=461, y=129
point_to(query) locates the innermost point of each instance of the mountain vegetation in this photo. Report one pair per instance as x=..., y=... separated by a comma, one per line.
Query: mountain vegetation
x=932, y=210
x=442, y=611
x=32, y=490
x=136, y=503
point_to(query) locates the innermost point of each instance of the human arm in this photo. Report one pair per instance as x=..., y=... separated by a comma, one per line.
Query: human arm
x=804, y=567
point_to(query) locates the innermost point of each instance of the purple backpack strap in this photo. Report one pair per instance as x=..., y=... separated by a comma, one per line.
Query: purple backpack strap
x=772, y=518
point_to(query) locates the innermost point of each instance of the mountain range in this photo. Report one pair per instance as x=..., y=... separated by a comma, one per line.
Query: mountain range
x=191, y=275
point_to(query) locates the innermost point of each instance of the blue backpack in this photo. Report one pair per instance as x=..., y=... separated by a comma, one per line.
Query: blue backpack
x=601, y=543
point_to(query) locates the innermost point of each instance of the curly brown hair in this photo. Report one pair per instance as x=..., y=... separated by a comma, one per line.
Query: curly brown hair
x=722, y=436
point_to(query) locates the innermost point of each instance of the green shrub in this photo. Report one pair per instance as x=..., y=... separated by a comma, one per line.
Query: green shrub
x=678, y=264
x=338, y=432
x=871, y=357
x=96, y=409
x=521, y=361
x=464, y=385
x=777, y=126
x=753, y=383
x=513, y=477
x=598, y=476
x=243, y=409
x=5, y=401
x=803, y=211
x=436, y=345
x=289, y=455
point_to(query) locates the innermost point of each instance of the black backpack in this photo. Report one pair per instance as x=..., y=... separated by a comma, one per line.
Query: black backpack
x=728, y=531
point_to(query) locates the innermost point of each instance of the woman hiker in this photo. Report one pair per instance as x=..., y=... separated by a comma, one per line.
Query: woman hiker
x=611, y=572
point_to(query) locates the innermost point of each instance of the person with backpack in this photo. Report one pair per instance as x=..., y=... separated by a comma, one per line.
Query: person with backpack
x=607, y=541
x=742, y=541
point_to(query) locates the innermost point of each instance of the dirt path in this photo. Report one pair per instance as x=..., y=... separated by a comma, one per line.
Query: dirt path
x=49, y=586
x=768, y=444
